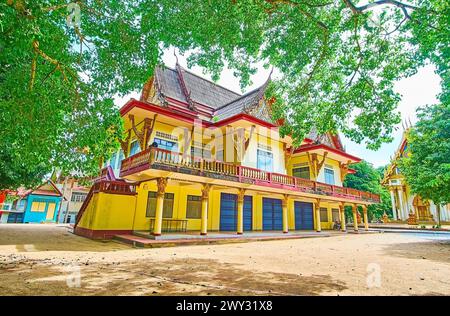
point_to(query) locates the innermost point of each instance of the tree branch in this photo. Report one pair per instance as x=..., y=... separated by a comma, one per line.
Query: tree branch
x=320, y=24
x=377, y=3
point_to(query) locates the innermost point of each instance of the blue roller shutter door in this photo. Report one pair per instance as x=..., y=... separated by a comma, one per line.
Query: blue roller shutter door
x=304, y=219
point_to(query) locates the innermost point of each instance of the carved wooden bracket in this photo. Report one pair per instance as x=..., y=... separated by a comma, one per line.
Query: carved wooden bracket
x=124, y=144
x=320, y=164
x=241, y=143
x=316, y=166
x=344, y=169
x=247, y=142
x=288, y=154
x=143, y=135
x=187, y=140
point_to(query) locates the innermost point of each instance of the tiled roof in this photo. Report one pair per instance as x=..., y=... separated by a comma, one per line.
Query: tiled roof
x=240, y=105
x=224, y=102
x=169, y=84
x=201, y=90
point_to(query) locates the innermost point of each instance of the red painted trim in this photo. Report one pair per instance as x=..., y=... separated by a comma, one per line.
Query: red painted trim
x=190, y=118
x=160, y=110
x=156, y=234
x=181, y=106
x=203, y=234
x=327, y=148
x=100, y=234
x=245, y=117
x=337, y=141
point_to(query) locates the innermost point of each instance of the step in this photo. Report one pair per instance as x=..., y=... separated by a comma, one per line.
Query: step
x=146, y=242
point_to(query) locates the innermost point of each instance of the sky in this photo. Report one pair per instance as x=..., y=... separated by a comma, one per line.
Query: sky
x=418, y=90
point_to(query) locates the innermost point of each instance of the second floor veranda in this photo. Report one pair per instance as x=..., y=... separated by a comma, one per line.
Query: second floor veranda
x=156, y=162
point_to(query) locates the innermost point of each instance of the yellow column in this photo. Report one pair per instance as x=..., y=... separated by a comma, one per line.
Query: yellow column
x=355, y=218
x=366, y=220
x=317, y=211
x=342, y=216
x=284, y=205
x=161, y=183
x=240, y=212
x=205, y=196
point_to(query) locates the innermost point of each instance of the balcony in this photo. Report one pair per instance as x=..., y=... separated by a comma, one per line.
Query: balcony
x=160, y=159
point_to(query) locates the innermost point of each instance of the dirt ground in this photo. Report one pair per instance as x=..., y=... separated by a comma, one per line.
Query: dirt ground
x=49, y=260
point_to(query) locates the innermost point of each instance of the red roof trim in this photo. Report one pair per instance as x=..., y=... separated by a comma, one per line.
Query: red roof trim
x=245, y=117
x=190, y=118
x=160, y=110
x=328, y=148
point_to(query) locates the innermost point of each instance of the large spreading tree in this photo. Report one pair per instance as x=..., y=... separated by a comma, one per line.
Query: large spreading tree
x=62, y=62
x=367, y=178
x=427, y=163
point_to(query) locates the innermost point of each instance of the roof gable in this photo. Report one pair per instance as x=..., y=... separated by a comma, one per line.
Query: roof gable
x=172, y=83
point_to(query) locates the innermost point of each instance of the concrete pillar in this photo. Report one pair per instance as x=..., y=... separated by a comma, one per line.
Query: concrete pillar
x=401, y=204
x=205, y=197
x=284, y=204
x=355, y=217
x=342, y=217
x=240, y=212
x=394, y=208
x=366, y=219
x=317, y=212
x=161, y=184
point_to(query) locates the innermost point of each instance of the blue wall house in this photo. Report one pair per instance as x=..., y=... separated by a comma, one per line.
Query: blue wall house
x=40, y=205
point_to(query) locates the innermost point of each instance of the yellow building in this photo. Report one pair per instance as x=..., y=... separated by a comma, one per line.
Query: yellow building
x=198, y=157
x=407, y=206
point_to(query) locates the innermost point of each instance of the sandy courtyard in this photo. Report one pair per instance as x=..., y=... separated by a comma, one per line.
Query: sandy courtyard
x=49, y=260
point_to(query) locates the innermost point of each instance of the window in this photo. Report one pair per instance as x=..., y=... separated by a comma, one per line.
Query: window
x=335, y=215
x=166, y=144
x=329, y=176
x=200, y=150
x=219, y=155
x=323, y=214
x=167, y=206
x=302, y=172
x=78, y=197
x=134, y=149
x=265, y=160
x=21, y=205
x=38, y=206
x=119, y=162
x=194, y=206
x=200, y=153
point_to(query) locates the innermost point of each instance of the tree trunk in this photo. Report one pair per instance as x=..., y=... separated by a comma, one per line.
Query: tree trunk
x=438, y=211
x=62, y=200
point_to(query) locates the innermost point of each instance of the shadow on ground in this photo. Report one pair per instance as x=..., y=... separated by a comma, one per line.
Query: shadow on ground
x=26, y=238
x=173, y=277
x=437, y=250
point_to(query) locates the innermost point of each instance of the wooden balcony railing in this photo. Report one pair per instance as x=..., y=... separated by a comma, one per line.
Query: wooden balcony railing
x=156, y=158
